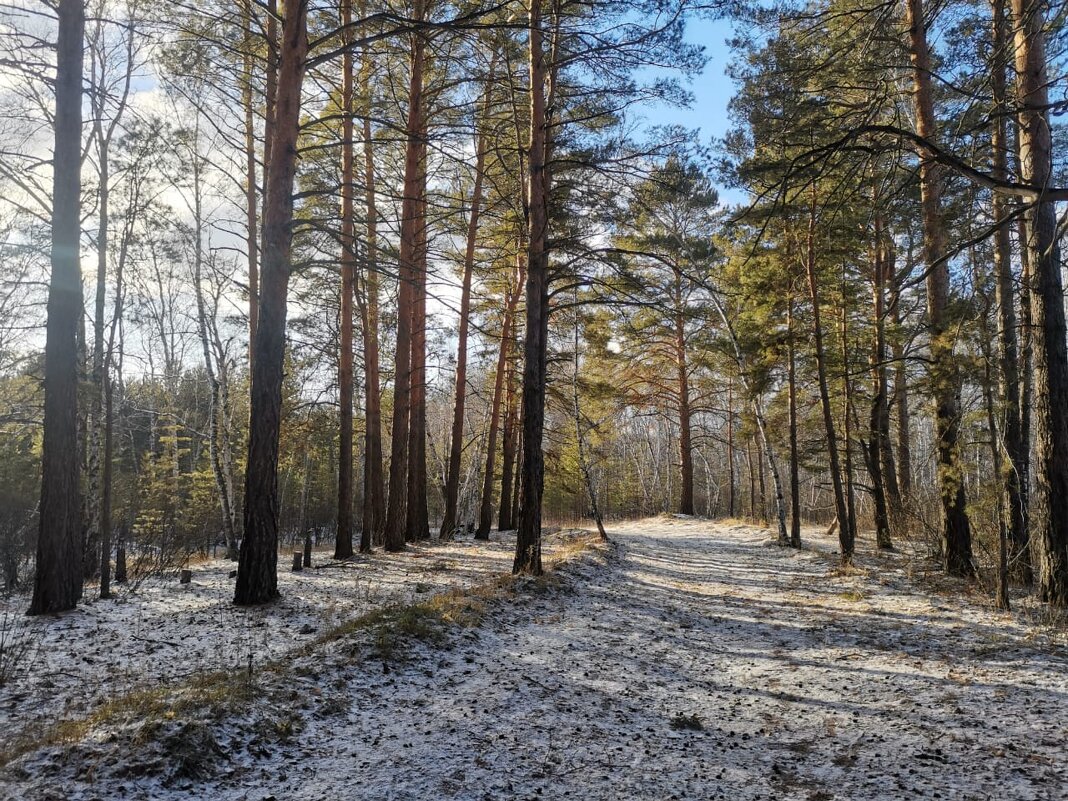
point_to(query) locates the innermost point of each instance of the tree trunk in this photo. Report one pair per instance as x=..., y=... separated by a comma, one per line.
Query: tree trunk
x=683, y=379
x=343, y=535
x=731, y=491
x=505, y=519
x=397, y=509
x=945, y=381
x=58, y=572
x=252, y=235
x=880, y=460
x=901, y=405
x=840, y=506
x=580, y=437
x=216, y=421
x=1050, y=371
x=485, y=513
x=535, y=346
x=795, y=484
x=847, y=429
x=374, y=496
x=456, y=443
x=1015, y=447
x=257, y=572
x=417, y=524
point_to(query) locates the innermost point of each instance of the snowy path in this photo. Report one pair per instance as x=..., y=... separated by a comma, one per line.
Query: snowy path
x=808, y=686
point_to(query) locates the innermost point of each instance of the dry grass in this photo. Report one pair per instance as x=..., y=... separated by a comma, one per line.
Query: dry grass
x=389, y=630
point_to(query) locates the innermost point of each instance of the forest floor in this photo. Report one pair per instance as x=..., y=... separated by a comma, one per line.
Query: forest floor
x=688, y=659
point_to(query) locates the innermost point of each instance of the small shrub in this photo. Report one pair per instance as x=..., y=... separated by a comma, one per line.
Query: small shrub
x=683, y=722
x=19, y=644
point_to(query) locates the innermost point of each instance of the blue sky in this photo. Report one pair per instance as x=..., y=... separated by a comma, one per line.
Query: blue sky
x=712, y=90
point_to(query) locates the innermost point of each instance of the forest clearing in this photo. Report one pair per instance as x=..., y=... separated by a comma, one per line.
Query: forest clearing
x=686, y=659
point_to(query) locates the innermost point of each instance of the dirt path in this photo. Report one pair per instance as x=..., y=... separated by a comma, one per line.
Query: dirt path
x=799, y=684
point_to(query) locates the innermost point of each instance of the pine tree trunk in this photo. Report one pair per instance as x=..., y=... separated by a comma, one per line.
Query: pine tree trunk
x=252, y=235
x=795, y=484
x=1050, y=368
x=1015, y=464
x=731, y=486
x=343, y=535
x=374, y=496
x=885, y=491
x=58, y=572
x=683, y=379
x=846, y=543
x=215, y=409
x=257, y=572
x=505, y=520
x=485, y=513
x=535, y=346
x=417, y=524
x=452, y=475
x=945, y=381
x=397, y=508
x=901, y=405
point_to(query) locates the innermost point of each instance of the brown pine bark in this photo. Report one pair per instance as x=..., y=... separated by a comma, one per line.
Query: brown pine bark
x=884, y=486
x=683, y=388
x=57, y=581
x=397, y=508
x=485, y=513
x=452, y=475
x=795, y=483
x=1050, y=357
x=505, y=518
x=945, y=381
x=343, y=536
x=901, y=404
x=251, y=224
x=846, y=543
x=1014, y=466
x=731, y=484
x=374, y=496
x=417, y=524
x=535, y=346
x=257, y=571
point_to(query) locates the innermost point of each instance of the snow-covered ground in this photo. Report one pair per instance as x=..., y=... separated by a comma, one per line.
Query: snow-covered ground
x=162, y=631
x=690, y=660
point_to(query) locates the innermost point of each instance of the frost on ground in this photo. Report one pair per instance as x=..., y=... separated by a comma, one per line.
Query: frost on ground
x=691, y=660
x=160, y=631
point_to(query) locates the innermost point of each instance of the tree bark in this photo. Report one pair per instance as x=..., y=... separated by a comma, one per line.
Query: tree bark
x=1050, y=367
x=795, y=484
x=452, y=475
x=252, y=233
x=485, y=514
x=257, y=572
x=216, y=421
x=683, y=378
x=1015, y=448
x=535, y=346
x=374, y=510
x=417, y=523
x=396, y=510
x=343, y=535
x=731, y=485
x=846, y=543
x=58, y=572
x=945, y=382
x=505, y=518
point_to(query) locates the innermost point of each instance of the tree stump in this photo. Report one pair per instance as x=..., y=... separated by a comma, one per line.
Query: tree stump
x=298, y=561
x=185, y=577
